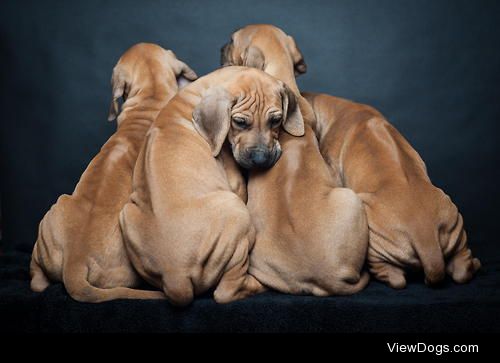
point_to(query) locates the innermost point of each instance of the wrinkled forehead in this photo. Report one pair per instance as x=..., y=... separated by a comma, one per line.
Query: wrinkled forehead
x=257, y=95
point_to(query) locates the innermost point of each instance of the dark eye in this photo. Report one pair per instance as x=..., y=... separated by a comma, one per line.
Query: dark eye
x=240, y=122
x=275, y=121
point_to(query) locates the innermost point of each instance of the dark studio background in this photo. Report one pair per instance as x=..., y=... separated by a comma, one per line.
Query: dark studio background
x=431, y=67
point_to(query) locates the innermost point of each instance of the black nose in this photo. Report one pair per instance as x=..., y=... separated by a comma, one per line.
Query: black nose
x=259, y=156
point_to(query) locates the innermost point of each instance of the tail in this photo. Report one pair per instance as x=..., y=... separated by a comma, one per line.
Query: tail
x=350, y=285
x=431, y=257
x=81, y=290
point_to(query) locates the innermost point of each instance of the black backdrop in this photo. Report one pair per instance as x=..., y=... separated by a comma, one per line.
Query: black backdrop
x=432, y=67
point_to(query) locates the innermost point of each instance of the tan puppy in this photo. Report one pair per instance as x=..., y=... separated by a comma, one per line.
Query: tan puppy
x=79, y=240
x=311, y=237
x=268, y=48
x=413, y=224
x=185, y=231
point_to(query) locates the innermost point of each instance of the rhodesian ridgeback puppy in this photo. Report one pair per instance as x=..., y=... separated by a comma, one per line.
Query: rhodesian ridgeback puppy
x=312, y=237
x=268, y=48
x=79, y=240
x=184, y=228
x=413, y=225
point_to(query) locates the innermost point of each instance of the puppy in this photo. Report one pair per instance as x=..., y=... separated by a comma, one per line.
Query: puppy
x=185, y=230
x=268, y=48
x=79, y=240
x=312, y=237
x=413, y=225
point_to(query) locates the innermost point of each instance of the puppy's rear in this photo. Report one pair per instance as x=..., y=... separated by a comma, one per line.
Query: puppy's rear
x=413, y=224
x=312, y=237
x=79, y=239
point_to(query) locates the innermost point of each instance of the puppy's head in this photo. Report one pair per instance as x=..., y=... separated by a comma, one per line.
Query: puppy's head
x=261, y=46
x=249, y=111
x=150, y=69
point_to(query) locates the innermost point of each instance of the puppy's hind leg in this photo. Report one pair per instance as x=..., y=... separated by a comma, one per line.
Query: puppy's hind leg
x=462, y=266
x=349, y=230
x=379, y=265
x=178, y=290
x=39, y=281
x=236, y=283
x=392, y=275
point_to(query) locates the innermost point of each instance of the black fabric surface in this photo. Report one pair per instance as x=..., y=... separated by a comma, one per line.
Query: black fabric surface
x=431, y=67
x=470, y=308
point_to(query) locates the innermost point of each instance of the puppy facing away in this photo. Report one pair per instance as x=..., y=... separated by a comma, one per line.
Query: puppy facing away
x=184, y=228
x=312, y=237
x=79, y=239
x=413, y=225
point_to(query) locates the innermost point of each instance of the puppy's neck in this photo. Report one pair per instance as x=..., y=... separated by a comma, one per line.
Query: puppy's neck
x=282, y=69
x=143, y=105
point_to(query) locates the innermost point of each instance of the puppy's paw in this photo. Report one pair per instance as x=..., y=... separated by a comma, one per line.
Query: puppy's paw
x=229, y=291
x=462, y=267
x=392, y=275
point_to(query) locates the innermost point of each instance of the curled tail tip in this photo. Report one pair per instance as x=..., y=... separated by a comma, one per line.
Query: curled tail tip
x=352, y=285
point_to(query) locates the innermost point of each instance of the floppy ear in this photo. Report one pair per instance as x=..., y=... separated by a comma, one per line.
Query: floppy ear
x=212, y=117
x=299, y=65
x=183, y=70
x=254, y=58
x=184, y=74
x=293, y=123
x=225, y=54
x=119, y=86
